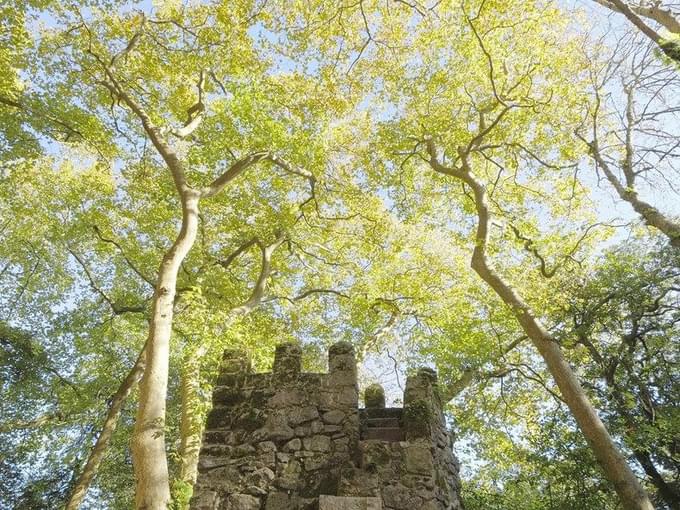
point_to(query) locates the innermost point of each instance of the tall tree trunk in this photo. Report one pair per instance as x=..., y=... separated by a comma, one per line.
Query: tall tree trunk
x=108, y=428
x=612, y=462
x=152, y=491
x=191, y=426
x=666, y=492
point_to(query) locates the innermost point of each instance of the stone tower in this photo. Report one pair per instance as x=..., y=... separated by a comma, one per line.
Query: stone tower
x=288, y=440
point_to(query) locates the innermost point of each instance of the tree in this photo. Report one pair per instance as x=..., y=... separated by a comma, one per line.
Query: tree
x=506, y=94
x=633, y=145
x=625, y=318
x=106, y=70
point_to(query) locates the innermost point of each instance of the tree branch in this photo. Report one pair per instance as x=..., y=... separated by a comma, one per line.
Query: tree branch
x=134, y=268
x=654, y=12
x=236, y=169
x=100, y=447
x=650, y=214
x=195, y=113
x=117, y=309
x=665, y=18
x=470, y=375
x=261, y=284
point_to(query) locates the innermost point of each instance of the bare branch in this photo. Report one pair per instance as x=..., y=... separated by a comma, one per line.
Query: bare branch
x=307, y=293
x=116, y=308
x=195, y=113
x=650, y=214
x=665, y=18
x=654, y=12
x=134, y=268
x=470, y=375
x=226, y=262
x=260, y=286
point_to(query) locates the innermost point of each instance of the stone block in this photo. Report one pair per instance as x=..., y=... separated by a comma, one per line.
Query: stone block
x=235, y=361
x=276, y=429
x=204, y=499
x=302, y=430
x=266, y=446
x=348, y=503
x=400, y=498
x=348, y=396
x=242, y=502
x=278, y=501
x=418, y=418
x=292, y=446
x=261, y=480
x=333, y=417
x=317, y=443
x=343, y=376
x=291, y=476
x=315, y=463
x=285, y=501
x=341, y=359
x=341, y=444
x=418, y=460
x=218, y=417
x=226, y=395
x=300, y=415
x=286, y=397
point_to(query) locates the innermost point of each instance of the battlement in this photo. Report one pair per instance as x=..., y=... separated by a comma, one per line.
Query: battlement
x=298, y=441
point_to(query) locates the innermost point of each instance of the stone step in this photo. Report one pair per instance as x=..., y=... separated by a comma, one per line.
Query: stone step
x=382, y=422
x=384, y=434
x=386, y=412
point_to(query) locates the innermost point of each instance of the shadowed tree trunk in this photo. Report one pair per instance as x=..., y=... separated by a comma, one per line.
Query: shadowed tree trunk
x=191, y=423
x=108, y=428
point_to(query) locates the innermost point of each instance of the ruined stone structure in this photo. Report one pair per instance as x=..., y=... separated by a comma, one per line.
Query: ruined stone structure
x=288, y=440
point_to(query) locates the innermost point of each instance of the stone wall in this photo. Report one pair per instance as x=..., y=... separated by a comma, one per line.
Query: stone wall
x=281, y=440
x=406, y=455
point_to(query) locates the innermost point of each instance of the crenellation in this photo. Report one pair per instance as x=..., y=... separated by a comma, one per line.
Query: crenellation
x=287, y=362
x=282, y=440
x=423, y=415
